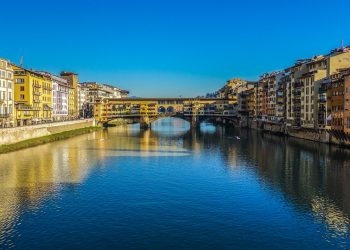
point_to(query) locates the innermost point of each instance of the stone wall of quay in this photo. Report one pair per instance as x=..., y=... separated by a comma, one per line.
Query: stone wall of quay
x=300, y=133
x=309, y=134
x=14, y=135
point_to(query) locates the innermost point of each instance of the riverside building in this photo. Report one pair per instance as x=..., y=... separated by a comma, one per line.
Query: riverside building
x=95, y=91
x=92, y=93
x=72, y=79
x=33, y=97
x=60, y=92
x=6, y=94
x=82, y=104
x=334, y=113
x=311, y=94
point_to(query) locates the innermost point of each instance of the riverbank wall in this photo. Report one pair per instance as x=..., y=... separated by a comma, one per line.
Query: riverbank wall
x=14, y=135
x=320, y=135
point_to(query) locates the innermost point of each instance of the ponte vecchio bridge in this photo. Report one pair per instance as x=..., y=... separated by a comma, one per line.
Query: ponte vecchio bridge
x=147, y=110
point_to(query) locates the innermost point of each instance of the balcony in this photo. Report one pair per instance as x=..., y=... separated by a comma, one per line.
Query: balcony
x=37, y=93
x=296, y=92
x=24, y=107
x=298, y=84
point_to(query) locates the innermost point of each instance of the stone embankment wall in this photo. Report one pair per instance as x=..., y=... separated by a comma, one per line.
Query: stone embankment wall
x=309, y=134
x=301, y=133
x=13, y=135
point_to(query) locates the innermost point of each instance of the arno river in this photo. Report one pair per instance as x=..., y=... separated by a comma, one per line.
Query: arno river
x=172, y=188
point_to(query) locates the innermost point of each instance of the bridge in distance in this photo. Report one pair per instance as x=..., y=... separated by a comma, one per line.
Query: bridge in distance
x=147, y=110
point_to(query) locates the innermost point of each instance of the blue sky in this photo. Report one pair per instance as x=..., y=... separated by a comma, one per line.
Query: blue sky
x=170, y=48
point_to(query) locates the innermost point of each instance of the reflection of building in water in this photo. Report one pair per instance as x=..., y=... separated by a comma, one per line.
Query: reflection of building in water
x=29, y=176
x=328, y=212
x=309, y=174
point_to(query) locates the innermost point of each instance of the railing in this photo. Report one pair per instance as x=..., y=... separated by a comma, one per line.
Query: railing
x=24, y=107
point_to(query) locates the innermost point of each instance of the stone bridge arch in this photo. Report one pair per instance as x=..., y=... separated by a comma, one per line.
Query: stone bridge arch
x=170, y=109
x=161, y=109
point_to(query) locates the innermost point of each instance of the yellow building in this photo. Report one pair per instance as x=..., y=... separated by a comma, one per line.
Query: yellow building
x=33, y=97
x=71, y=99
x=252, y=102
x=72, y=78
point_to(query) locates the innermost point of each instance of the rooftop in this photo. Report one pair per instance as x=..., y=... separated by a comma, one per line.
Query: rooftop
x=67, y=73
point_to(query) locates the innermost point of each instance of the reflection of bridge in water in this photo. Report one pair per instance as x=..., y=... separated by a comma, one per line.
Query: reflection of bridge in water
x=147, y=110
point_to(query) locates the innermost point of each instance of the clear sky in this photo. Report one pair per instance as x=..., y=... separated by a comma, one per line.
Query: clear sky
x=170, y=48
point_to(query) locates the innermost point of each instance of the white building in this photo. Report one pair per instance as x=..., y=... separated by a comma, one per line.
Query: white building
x=60, y=91
x=82, y=95
x=6, y=94
x=90, y=93
x=95, y=92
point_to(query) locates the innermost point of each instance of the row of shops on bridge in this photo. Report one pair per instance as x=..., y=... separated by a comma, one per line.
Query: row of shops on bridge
x=111, y=107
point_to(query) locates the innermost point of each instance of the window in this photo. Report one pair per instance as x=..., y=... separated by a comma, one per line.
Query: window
x=22, y=88
x=21, y=97
x=19, y=80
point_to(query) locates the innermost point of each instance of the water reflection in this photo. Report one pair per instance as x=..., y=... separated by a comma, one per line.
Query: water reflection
x=314, y=178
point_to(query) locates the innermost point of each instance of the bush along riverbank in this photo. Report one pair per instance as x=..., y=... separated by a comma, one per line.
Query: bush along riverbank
x=46, y=139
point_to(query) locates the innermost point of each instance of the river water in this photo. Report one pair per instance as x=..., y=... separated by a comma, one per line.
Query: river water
x=175, y=188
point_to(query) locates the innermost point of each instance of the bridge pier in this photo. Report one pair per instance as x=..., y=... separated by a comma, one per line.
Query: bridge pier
x=195, y=122
x=145, y=122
